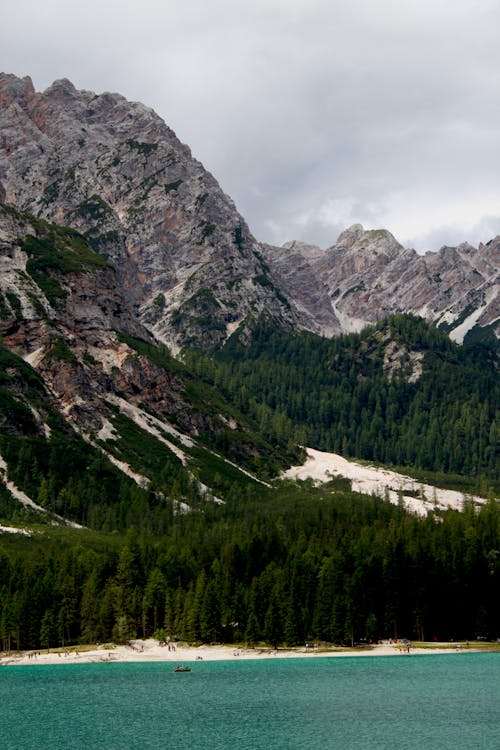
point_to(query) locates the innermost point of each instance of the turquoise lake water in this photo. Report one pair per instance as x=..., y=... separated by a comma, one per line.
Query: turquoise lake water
x=449, y=702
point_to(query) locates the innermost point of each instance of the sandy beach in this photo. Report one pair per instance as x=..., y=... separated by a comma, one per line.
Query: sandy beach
x=150, y=651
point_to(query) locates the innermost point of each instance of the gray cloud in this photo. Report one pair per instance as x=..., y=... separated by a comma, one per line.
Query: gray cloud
x=311, y=114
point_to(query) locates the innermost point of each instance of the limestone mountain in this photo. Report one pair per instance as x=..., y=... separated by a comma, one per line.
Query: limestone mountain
x=115, y=172
x=367, y=275
x=185, y=258
x=78, y=369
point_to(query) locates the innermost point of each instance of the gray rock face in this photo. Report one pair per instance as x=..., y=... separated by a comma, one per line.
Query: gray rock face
x=296, y=264
x=66, y=315
x=80, y=316
x=185, y=259
x=367, y=275
x=113, y=170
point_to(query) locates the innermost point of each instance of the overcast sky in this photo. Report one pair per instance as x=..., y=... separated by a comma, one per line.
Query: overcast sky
x=311, y=114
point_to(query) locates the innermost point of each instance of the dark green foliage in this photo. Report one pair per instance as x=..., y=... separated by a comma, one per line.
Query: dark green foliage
x=19, y=386
x=15, y=304
x=468, y=310
x=358, y=288
x=262, y=280
x=5, y=312
x=13, y=369
x=60, y=351
x=93, y=209
x=207, y=229
x=335, y=395
x=60, y=249
x=57, y=251
x=159, y=301
x=159, y=354
x=37, y=305
x=203, y=301
x=15, y=416
x=142, y=147
x=100, y=241
x=285, y=567
x=483, y=336
x=172, y=186
x=143, y=452
x=51, y=192
x=238, y=236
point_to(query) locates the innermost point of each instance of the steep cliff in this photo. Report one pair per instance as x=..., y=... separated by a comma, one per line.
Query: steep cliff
x=81, y=366
x=114, y=171
x=185, y=258
x=367, y=275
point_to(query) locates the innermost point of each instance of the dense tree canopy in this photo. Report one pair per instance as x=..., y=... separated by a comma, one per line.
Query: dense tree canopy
x=285, y=563
x=285, y=567
x=341, y=395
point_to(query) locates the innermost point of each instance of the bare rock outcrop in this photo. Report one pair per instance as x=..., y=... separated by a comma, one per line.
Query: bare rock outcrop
x=184, y=258
x=367, y=275
x=113, y=170
x=63, y=310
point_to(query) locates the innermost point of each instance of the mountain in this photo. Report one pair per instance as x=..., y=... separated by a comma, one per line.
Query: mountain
x=141, y=487
x=113, y=170
x=367, y=275
x=114, y=241
x=83, y=379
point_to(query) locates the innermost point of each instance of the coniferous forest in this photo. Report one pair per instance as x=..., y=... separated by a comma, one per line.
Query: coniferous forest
x=338, y=395
x=289, y=567
x=277, y=562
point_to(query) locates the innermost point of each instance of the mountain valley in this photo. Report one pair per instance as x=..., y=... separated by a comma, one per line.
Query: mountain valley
x=161, y=370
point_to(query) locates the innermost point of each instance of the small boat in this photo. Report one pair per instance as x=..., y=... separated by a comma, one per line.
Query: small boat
x=181, y=668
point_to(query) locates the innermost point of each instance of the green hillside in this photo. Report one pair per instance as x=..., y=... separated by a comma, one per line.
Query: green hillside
x=275, y=562
x=399, y=393
x=287, y=566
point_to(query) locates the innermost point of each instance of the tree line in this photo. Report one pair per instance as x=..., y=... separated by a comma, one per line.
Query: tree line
x=339, y=395
x=285, y=566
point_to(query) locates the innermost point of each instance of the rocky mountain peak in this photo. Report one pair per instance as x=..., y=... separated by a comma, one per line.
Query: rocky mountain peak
x=185, y=259
x=367, y=275
x=349, y=236
x=13, y=88
x=60, y=88
x=113, y=170
x=370, y=242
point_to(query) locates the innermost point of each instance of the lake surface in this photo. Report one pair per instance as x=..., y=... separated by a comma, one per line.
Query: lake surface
x=449, y=702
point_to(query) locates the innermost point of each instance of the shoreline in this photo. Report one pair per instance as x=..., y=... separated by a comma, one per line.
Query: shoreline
x=150, y=651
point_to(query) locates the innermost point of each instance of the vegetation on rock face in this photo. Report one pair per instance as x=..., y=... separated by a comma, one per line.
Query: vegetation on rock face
x=172, y=186
x=14, y=303
x=60, y=249
x=56, y=251
x=94, y=209
x=142, y=147
x=60, y=351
